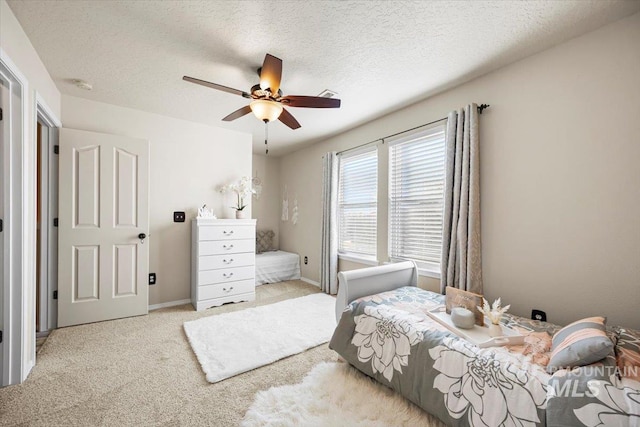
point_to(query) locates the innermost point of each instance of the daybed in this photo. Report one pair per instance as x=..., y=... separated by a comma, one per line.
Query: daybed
x=273, y=265
x=384, y=331
x=277, y=266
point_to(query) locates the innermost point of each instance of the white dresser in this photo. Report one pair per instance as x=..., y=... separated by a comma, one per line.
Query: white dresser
x=223, y=261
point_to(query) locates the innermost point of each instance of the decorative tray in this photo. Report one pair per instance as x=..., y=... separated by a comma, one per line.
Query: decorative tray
x=478, y=335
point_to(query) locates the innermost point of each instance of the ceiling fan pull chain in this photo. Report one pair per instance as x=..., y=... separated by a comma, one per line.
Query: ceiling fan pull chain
x=266, y=136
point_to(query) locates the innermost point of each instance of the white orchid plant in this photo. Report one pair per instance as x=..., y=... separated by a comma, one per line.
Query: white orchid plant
x=493, y=312
x=243, y=188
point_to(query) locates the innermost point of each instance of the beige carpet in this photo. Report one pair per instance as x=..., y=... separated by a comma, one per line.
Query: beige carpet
x=141, y=371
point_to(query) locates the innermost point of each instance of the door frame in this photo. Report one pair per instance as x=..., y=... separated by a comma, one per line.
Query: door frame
x=16, y=362
x=49, y=210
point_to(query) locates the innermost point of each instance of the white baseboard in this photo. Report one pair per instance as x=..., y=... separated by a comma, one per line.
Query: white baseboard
x=169, y=304
x=309, y=281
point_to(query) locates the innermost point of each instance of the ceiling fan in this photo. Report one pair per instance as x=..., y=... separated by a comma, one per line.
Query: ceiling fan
x=268, y=101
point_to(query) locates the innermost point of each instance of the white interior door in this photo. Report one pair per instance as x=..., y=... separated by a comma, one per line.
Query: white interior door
x=103, y=208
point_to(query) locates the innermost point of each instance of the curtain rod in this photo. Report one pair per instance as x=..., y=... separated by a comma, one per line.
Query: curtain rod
x=481, y=108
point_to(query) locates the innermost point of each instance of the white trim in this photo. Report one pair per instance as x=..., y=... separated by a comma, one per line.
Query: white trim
x=5, y=278
x=49, y=206
x=418, y=133
x=17, y=362
x=428, y=273
x=309, y=281
x=349, y=152
x=46, y=112
x=28, y=194
x=169, y=304
x=359, y=260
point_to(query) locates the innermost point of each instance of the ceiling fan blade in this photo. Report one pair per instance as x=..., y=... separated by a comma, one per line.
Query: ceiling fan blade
x=237, y=114
x=288, y=119
x=271, y=73
x=216, y=86
x=310, y=101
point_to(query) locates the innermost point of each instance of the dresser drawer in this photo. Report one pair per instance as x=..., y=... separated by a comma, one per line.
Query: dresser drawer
x=225, y=289
x=221, y=247
x=226, y=233
x=226, y=275
x=212, y=262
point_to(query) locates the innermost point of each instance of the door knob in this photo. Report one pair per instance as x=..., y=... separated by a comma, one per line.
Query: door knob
x=142, y=236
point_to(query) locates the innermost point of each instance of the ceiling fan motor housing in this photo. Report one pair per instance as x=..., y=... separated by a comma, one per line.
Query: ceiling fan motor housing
x=259, y=93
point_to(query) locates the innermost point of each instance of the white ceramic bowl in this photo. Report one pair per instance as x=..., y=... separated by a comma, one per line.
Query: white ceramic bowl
x=462, y=318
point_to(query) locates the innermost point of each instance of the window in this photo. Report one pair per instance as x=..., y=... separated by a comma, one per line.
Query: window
x=416, y=196
x=358, y=203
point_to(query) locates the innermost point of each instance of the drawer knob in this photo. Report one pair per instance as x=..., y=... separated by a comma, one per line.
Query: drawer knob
x=227, y=233
x=227, y=247
x=227, y=275
x=229, y=261
x=228, y=290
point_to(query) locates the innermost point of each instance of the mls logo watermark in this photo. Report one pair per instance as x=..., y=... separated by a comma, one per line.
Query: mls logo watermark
x=571, y=388
x=565, y=386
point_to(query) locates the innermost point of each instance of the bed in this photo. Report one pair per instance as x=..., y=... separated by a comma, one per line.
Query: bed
x=383, y=331
x=277, y=266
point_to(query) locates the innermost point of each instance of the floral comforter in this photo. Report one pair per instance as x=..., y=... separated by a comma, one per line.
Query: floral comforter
x=390, y=337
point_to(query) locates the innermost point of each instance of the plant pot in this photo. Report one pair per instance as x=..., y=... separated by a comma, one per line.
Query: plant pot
x=240, y=214
x=495, y=330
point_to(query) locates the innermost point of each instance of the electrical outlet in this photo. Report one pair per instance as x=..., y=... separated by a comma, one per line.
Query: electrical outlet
x=539, y=315
x=306, y=260
x=152, y=278
x=179, y=216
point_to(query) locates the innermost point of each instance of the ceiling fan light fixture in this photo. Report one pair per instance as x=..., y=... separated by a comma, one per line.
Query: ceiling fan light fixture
x=266, y=110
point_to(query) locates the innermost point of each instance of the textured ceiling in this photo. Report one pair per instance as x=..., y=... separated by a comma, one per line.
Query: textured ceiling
x=378, y=55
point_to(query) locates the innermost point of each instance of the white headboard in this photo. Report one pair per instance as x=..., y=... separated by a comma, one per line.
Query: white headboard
x=355, y=284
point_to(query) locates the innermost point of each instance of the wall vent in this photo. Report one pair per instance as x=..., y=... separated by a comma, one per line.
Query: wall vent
x=327, y=93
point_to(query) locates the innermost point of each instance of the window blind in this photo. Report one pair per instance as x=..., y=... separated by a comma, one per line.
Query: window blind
x=416, y=196
x=358, y=203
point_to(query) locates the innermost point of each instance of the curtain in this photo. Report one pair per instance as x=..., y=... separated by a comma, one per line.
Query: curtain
x=329, y=254
x=461, y=265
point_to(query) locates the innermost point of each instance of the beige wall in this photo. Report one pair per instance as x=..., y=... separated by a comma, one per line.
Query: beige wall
x=559, y=177
x=266, y=208
x=20, y=53
x=188, y=161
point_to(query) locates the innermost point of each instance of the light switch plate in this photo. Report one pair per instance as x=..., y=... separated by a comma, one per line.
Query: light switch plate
x=179, y=216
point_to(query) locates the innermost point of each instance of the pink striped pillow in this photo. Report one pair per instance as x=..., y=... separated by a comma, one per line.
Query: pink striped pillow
x=628, y=353
x=579, y=343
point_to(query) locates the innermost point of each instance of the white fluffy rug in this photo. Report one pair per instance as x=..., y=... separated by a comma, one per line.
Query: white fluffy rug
x=334, y=394
x=231, y=343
